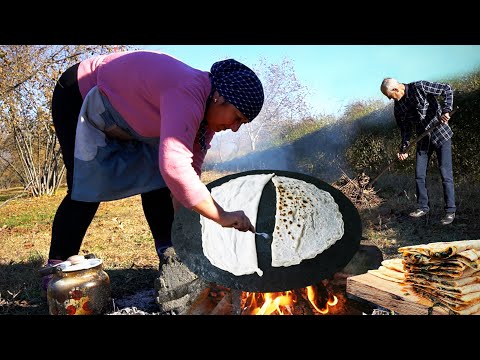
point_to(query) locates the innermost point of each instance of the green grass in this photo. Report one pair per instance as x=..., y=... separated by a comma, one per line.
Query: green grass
x=28, y=220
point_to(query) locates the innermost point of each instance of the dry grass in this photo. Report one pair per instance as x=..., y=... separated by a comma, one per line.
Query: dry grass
x=120, y=236
x=358, y=190
x=389, y=227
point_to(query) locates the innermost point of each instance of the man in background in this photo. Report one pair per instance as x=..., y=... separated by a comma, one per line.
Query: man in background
x=416, y=104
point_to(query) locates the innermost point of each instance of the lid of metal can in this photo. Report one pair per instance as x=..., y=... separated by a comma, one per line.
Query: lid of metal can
x=78, y=262
x=87, y=264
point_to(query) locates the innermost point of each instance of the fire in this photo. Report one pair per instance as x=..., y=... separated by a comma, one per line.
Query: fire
x=313, y=298
x=284, y=303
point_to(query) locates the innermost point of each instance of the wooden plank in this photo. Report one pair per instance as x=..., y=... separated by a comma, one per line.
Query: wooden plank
x=390, y=295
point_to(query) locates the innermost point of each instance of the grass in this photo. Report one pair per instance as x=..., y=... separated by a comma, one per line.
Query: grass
x=389, y=226
x=120, y=236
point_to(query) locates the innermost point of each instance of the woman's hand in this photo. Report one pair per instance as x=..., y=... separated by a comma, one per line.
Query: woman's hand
x=402, y=156
x=213, y=211
x=237, y=220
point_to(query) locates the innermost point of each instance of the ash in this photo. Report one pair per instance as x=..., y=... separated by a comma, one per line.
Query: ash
x=141, y=303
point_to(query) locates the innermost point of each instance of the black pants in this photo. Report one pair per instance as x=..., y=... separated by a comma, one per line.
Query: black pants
x=73, y=217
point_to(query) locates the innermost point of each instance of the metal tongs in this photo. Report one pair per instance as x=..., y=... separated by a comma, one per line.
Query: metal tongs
x=265, y=235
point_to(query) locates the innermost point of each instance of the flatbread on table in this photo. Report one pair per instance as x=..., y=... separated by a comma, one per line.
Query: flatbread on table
x=393, y=264
x=464, y=309
x=441, y=249
x=444, y=272
x=470, y=257
x=307, y=221
x=388, y=274
x=227, y=248
x=453, y=303
x=462, y=290
x=442, y=280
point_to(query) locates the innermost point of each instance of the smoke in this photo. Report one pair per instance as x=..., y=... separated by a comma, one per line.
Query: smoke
x=320, y=154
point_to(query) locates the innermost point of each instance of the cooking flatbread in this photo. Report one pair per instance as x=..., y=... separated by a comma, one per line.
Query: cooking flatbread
x=227, y=248
x=307, y=221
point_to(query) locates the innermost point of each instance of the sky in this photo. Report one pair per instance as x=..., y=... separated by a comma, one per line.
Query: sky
x=337, y=75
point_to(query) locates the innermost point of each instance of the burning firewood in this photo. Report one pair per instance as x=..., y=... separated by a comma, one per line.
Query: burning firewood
x=358, y=190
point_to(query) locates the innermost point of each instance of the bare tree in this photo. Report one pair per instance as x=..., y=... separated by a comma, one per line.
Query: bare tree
x=284, y=101
x=28, y=74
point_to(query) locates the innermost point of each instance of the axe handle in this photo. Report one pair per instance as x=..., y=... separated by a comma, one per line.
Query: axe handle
x=412, y=144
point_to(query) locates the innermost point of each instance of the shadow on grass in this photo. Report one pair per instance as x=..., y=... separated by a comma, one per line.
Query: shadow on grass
x=21, y=292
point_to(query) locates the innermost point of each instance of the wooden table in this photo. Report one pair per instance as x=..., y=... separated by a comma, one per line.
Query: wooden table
x=390, y=295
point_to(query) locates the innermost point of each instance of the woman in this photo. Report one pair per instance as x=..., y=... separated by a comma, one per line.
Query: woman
x=140, y=122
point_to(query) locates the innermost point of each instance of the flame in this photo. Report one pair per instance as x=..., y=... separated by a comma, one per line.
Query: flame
x=269, y=303
x=312, y=297
x=283, y=303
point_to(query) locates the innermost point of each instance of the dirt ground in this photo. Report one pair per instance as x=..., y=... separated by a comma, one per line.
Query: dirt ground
x=120, y=236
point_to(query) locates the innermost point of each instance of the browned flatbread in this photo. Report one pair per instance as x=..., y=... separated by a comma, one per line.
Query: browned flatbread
x=447, y=266
x=441, y=249
x=459, y=299
x=467, y=258
x=465, y=289
x=459, y=309
x=442, y=280
x=451, y=273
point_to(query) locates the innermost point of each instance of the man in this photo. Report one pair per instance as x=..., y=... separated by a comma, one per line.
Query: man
x=417, y=104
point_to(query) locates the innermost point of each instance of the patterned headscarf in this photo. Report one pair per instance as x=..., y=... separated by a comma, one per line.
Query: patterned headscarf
x=239, y=85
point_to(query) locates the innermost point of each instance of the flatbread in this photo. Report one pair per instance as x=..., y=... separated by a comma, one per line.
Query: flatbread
x=454, y=300
x=227, y=248
x=444, y=272
x=462, y=290
x=442, y=280
x=394, y=264
x=307, y=221
x=470, y=257
x=387, y=274
x=441, y=249
x=458, y=309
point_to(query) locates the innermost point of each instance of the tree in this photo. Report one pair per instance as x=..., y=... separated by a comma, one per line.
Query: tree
x=284, y=101
x=28, y=74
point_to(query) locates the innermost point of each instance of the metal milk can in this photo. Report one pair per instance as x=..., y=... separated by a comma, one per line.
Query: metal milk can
x=79, y=286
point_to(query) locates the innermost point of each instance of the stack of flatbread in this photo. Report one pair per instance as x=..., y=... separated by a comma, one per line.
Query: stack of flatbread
x=448, y=273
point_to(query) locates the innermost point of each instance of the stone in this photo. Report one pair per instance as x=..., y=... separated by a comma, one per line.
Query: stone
x=366, y=258
x=176, y=287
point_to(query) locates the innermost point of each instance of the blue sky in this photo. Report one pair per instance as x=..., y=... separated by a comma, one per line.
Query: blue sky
x=339, y=74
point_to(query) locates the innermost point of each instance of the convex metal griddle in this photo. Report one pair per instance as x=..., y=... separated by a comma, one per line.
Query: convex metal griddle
x=187, y=241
